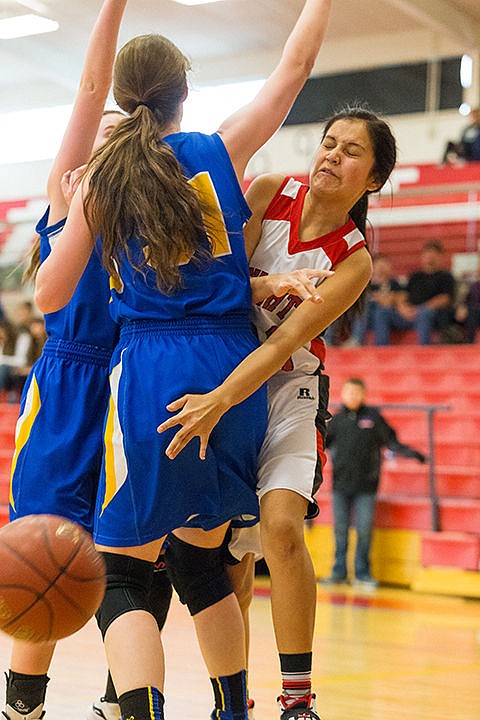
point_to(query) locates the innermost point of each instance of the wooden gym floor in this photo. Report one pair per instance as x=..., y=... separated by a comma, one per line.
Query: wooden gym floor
x=379, y=655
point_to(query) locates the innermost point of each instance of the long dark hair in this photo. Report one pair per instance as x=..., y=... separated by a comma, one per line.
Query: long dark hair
x=137, y=187
x=385, y=153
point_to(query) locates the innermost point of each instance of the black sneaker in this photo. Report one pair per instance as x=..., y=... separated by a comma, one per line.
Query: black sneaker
x=301, y=709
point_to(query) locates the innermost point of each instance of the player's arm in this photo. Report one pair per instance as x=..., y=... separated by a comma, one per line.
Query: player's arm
x=198, y=414
x=245, y=131
x=60, y=272
x=89, y=104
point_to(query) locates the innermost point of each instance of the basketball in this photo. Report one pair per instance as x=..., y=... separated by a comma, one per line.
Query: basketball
x=52, y=579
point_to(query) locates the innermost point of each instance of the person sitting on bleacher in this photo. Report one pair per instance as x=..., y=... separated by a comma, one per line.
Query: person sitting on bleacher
x=384, y=289
x=427, y=303
x=467, y=149
x=467, y=314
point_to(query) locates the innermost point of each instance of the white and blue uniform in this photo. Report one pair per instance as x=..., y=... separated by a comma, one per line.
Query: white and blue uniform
x=58, y=444
x=185, y=342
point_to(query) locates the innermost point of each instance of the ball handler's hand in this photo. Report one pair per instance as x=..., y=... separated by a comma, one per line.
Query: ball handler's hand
x=198, y=415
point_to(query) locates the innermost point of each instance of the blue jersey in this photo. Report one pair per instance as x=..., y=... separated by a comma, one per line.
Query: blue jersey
x=221, y=285
x=86, y=319
x=58, y=439
x=170, y=345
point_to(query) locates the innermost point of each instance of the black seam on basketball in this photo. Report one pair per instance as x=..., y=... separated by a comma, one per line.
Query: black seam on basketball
x=47, y=604
x=50, y=583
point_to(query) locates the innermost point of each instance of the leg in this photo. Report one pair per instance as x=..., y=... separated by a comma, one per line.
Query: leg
x=424, y=324
x=364, y=504
x=197, y=567
x=242, y=577
x=27, y=679
x=159, y=600
x=341, y=523
x=219, y=624
x=294, y=592
x=282, y=515
x=129, y=629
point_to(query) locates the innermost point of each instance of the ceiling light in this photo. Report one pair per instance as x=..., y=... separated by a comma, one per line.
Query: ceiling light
x=195, y=2
x=23, y=25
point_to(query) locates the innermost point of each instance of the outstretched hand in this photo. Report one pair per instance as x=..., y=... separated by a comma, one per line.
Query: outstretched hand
x=197, y=415
x=299, y=282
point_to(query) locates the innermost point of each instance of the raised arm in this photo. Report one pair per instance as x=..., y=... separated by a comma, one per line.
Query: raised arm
x=249, y=128
x=200, y=413
x=89, y=103
x=58, y=275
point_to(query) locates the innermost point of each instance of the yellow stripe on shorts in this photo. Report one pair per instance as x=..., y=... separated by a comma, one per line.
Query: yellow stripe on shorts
x=24, y=425
x=115, y=459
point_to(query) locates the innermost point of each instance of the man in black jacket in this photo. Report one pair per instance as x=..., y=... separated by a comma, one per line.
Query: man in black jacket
x=355, y=437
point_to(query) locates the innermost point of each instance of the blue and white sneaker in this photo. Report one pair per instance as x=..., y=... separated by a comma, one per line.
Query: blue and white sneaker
x=103, y=710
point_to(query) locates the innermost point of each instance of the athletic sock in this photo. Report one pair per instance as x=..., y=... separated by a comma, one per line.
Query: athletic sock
x=26, y=693
x=296, y=672
x=142, y=704
x=230, y=692
x=110, y=692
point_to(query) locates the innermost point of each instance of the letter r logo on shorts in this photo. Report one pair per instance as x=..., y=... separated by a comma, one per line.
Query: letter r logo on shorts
x=304, y=394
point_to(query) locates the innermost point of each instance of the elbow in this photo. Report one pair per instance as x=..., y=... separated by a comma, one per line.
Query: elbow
x=48, y=302
x=96, y=86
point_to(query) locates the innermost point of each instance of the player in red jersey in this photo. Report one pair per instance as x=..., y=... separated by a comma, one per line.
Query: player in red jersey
x=294, y=226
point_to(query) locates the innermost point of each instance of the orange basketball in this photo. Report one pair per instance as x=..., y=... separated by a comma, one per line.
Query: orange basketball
x=52, y=579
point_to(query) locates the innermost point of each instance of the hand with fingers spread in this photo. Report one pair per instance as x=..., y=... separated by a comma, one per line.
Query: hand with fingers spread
x=299, y=282
x=198, y=415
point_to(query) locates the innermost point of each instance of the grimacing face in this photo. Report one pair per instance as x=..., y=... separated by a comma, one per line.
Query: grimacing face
x=344, y=164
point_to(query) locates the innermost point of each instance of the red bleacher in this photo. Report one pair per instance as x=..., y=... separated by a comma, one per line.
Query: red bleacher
x=414, y=374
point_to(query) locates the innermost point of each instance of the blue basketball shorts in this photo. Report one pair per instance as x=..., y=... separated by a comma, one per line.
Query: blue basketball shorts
x=58, y=443
x=143, y=494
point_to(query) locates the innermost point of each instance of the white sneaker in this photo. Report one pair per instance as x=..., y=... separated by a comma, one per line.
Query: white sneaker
x=104, y=710
x=12, y=714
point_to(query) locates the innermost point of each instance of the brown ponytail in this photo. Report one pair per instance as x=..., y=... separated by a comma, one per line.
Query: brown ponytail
x=136, y=185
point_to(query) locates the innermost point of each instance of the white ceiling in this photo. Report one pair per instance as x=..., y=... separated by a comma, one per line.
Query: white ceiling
x=234, y=39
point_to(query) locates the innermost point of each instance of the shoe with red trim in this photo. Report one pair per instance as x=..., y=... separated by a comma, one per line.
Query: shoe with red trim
x=302, y=708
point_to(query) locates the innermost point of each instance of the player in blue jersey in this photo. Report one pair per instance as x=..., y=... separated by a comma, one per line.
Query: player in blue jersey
x=58, y=449
x=182, y=297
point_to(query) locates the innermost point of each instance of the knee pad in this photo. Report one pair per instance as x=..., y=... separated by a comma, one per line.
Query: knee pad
x=128, y=586
x=198, y=574
x=160, y=592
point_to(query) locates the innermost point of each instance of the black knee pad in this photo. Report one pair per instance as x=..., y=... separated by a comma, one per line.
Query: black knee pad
x=198, y=574
x=160, y=592
x=128, y=586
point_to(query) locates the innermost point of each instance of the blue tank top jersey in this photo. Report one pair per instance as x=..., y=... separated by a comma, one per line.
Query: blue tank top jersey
x=86, y=319
x=219, y=286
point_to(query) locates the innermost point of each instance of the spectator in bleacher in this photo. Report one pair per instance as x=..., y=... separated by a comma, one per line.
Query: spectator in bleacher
x=467, y=148
x=38, y=337
x=14, y=346
x=384, y=289
x=467, y=314
x=24, y=314
x=426, y=304
x=356, y=435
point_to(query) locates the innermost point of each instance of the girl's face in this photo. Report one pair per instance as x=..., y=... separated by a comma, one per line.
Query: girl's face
x=344, y=164
x=108, y=123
